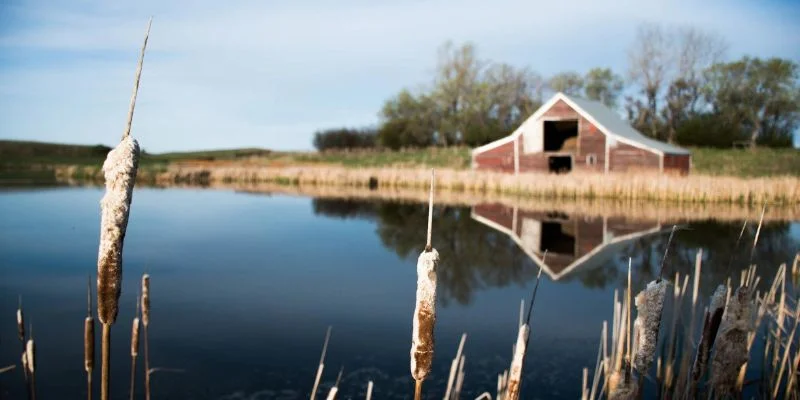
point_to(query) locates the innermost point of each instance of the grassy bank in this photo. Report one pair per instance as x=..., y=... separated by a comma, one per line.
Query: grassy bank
x=630, y=187
x=20, y=156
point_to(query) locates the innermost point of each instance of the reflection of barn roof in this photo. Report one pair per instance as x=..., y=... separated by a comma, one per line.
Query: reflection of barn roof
x=560, y=265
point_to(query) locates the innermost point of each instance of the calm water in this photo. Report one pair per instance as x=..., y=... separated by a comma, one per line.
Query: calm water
x=244, y=287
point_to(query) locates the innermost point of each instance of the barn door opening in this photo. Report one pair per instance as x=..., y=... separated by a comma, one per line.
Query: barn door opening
x=559, y=164
x=561, y=135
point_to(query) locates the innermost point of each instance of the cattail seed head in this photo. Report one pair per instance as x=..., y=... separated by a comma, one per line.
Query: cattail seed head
x=515, y=377
x=649, y=304
x=88, y=344
x=146, y=300
x=31, y=356
x=119, y=169
x=731, y=343
x=422, y=342
x=20, y=325
x=135, y=338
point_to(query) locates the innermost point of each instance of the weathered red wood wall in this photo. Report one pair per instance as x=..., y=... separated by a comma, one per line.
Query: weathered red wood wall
x=500, y=158
x=591, y=142
x=624, y=157
x=677, y=163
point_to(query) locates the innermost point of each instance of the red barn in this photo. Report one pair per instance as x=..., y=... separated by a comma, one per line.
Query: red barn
x=571, y=133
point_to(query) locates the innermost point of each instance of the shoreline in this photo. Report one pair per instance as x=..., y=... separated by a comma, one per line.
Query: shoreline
x=582, y=206
x=646, y=187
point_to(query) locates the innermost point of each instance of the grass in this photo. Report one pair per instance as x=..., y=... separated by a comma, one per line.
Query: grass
x=746, y=163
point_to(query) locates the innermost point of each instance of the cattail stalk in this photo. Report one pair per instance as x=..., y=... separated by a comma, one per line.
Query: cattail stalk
x=731, y=345
x=321, y=364
x=515, y=375
x=134, y=347
x=369, y=390
x=145, y=304
x=335, y=388
x=119, y=170
x=422, y=343
x=21, y=337
x=451, y=379
x=88, y=341
x=711, y=323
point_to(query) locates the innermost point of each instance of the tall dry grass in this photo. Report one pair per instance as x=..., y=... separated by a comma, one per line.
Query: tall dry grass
x=628, y=186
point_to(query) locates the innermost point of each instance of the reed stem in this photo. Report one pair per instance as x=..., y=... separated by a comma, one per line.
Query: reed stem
x=418, y=389
x=136, y=82
x=105, y=368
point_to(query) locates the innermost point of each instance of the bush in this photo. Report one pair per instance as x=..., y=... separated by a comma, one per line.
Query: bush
x=345, y=139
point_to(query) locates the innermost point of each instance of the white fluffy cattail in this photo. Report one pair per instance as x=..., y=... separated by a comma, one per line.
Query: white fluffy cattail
x=30, y=362
x=515, y=376
x=422, y=342
x=730, y=349
x=649, y=305
x=119, y=169
x=424, y=315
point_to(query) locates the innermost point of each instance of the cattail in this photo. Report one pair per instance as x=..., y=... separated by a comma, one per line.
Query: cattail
x=134, y=347
x=145, y=306
x=649, y=305
x=515, y=377
x=145, y=300
x=30, y=364
x=422, y=342
x=731, y=344
x=119, y=170
x=711, y=322
x=20, y=322
x=625, y=388
x=120, y=174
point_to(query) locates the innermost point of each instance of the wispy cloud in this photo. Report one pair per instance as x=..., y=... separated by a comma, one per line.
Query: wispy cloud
x=267, y=74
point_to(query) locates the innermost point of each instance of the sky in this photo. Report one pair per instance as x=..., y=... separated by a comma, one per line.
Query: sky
x=263, y=73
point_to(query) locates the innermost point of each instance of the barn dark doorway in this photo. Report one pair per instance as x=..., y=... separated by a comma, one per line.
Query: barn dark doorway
x=559, y=164
x=561, y=135
x=556, y=240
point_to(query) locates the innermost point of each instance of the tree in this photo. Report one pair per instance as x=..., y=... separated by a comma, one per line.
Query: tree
x=761, y=96
x=408, y=121
x=566, y=82
x=603, y=85
x=648, y=66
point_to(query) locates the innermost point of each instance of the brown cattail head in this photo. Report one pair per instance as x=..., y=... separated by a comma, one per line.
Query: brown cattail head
x=731, y=344
x=711, y=323
x=135, y=338
x=649, y=304
x=88, y=344
x=515, y=377
x=424, y=315
x=30, y=353
x=146, y=300
x=120, y=175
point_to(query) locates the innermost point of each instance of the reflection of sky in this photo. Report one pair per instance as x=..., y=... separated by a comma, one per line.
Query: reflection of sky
x=244, y=287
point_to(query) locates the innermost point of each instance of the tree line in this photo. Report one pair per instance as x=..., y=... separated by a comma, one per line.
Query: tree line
x=678, y=87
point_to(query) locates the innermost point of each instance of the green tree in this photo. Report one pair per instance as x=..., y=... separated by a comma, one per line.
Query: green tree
x=603, y=85
x=408, y=121
x=761, y=96
x=569, y=82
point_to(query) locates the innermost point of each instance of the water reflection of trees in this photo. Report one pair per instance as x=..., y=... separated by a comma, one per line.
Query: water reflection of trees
x=475, y=256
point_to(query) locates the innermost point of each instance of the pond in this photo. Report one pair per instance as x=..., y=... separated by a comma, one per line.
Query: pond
x=245, y=285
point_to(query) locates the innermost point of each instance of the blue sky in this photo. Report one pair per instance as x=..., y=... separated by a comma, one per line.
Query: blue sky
x=269, y=73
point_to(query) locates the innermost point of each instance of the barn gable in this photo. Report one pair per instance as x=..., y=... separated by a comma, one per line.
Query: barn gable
x=569, y=132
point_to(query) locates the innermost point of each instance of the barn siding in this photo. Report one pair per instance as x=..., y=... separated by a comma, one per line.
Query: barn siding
x=624, y=157
x=677, y=163
x=500, y=158
x=590, y=142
